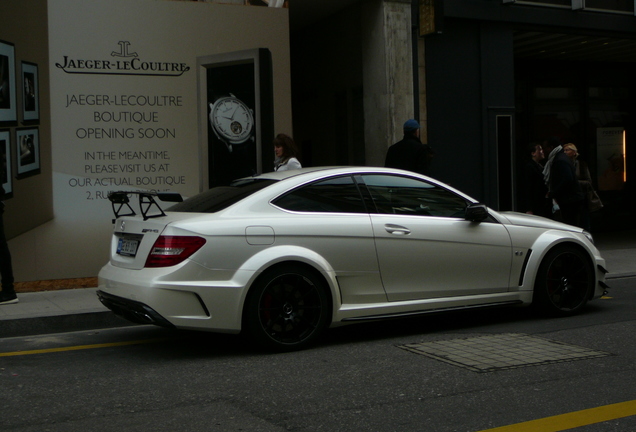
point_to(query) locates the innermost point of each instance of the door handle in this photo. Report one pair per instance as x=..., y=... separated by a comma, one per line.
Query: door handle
x=397, y=229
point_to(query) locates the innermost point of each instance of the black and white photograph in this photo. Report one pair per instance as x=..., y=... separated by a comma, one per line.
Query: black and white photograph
x=27, y=152
x=8, y=112
x=30, y=92
x=5, y=162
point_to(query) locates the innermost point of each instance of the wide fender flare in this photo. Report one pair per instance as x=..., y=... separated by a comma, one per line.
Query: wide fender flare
x=267, y=258
x=544, y=244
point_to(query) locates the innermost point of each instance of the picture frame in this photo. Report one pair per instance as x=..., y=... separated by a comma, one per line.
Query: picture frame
x=27, y=152
x=243, y=82
x=8, y=110
x=6, y=174
x=30, y=92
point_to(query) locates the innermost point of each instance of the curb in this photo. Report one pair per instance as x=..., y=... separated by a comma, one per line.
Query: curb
x=611, y=276
x=61, y=324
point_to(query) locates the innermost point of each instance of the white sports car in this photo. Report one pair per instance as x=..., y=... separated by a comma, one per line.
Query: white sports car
x=283, y=256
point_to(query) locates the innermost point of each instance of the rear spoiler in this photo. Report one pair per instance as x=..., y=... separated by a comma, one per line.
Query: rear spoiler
x=146, y=203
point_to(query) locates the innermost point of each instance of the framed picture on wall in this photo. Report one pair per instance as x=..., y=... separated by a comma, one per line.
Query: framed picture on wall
x=8, y=111
x=30, y=92
x=236, y=115
x=5, y=162
x=27, y=152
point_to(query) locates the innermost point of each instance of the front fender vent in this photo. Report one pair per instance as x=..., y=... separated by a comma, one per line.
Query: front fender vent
x=524, y=267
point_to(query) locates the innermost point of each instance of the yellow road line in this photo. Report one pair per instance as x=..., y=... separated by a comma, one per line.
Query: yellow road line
x=572, y=420
x=78, y=347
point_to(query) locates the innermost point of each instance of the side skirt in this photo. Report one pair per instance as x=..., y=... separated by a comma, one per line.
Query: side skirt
x=432, y=311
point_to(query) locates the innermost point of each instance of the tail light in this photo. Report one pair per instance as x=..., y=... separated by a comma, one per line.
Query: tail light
x=172, y=250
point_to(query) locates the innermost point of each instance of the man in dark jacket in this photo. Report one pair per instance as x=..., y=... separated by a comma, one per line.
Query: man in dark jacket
x=563, y=186
x=410, y=154
x=535, y=198
x=7, y=295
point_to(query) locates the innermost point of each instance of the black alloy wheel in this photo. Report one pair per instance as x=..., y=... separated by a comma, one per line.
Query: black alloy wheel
x=287, y=309
x=565, y=282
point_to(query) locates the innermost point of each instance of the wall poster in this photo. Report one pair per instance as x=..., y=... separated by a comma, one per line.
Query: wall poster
x=236, y=99
x=7, y=83
x=27, y=152
x=5, y=162
x=30, y=92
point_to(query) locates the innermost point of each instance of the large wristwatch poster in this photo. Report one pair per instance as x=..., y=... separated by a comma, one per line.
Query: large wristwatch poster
x=239, y=114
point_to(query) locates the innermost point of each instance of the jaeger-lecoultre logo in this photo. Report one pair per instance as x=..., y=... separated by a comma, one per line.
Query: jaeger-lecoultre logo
x=123, y=62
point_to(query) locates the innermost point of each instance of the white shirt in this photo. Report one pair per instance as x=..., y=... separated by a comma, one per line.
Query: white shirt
x=289, y=164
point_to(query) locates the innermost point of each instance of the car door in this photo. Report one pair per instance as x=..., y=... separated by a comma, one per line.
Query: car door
x=330, y=219
x=425, y=247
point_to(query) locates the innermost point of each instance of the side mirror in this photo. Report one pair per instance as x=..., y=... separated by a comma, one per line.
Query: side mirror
x=476, y=212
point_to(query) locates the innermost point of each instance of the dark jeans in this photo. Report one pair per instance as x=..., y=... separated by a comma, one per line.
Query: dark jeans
x=6, y=270
x=572, y=212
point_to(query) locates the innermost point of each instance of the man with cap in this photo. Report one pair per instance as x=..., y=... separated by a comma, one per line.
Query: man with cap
x=410, y=154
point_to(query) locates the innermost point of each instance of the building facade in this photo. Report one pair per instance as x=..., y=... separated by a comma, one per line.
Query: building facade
x=486, y=78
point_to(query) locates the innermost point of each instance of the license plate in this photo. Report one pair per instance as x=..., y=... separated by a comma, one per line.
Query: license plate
x=127, y=247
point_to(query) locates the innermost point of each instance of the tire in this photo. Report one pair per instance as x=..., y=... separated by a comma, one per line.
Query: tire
x=565, y=281
x=287, y=308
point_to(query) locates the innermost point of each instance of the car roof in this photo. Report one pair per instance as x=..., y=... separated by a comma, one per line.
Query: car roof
x=327, y=170
x=281, y=175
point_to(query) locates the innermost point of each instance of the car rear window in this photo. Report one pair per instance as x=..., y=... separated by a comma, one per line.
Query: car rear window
x=221, y=197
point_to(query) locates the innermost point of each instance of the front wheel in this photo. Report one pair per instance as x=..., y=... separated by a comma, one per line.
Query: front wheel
x=564, y=283
x=287, y=309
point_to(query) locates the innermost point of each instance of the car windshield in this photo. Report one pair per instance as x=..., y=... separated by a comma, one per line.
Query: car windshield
x=221, y=197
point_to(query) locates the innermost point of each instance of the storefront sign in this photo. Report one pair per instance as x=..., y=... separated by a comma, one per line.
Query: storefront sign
x=121, y=62
x=431, y=15
x=124, y=139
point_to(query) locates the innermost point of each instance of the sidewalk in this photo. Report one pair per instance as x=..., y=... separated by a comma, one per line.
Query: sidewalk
x=58, y=311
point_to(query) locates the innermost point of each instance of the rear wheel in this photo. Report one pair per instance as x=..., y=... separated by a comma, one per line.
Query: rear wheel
x=287, y=309
x=564, y=283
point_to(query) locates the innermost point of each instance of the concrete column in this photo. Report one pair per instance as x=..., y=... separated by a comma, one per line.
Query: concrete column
x=387, y=74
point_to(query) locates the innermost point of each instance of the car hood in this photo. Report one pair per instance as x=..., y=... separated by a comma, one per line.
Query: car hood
x=522, y=219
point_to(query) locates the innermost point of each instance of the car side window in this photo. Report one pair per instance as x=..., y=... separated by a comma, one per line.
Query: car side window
x=334, y=195
x=405, y=195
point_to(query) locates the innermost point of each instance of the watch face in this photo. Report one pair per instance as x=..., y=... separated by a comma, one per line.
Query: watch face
x=232, y=119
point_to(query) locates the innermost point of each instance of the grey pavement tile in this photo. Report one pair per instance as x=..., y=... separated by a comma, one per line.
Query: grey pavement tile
x=500, y=352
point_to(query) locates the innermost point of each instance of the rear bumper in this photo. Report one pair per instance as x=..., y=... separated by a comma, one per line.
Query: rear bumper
x=186, y=297
x=133, y=311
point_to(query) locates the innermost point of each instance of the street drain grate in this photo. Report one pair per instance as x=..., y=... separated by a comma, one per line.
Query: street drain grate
x=500, y=352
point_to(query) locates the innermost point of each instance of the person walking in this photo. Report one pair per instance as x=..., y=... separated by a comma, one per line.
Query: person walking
x=7, y=295
x=563, y=186
x=535, y=199
x=410, y=153
x=592, y=202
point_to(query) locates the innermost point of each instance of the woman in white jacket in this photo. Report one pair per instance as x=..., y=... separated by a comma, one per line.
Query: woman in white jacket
x=286, y=153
